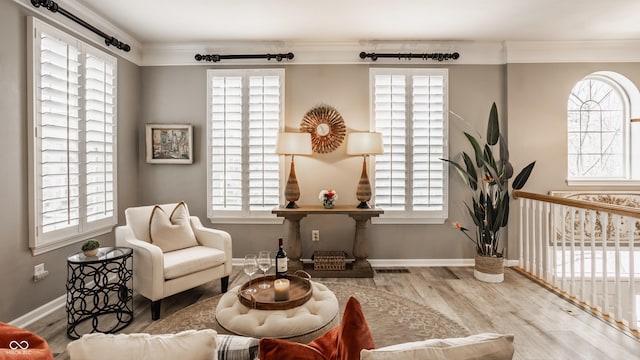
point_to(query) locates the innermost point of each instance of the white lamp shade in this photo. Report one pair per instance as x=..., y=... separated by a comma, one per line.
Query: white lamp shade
x=365, y=143
x=289, y=143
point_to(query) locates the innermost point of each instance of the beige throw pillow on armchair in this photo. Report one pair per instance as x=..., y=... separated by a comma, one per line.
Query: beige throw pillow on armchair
x=171, y=232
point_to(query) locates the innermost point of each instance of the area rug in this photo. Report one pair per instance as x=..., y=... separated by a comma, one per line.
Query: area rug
x=393, y=319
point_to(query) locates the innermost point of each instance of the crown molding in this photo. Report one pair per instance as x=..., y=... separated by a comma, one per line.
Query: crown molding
x=84, y=13
x=572, y=51
x=324, y=52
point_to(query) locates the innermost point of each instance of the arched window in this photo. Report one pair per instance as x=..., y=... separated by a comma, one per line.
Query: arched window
x=599, y=128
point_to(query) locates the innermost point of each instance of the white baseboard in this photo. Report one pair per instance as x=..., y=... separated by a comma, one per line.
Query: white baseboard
x=37, y=314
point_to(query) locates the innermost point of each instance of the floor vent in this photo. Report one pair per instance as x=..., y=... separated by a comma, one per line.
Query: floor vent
x=392, y=271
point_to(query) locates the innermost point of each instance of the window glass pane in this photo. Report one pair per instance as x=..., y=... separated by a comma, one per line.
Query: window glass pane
x=595, y=119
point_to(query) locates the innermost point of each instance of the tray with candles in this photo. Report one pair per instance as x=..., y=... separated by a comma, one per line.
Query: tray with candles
x=285, y=293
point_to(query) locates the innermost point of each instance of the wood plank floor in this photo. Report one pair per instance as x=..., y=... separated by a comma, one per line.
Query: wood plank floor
x=545, y=326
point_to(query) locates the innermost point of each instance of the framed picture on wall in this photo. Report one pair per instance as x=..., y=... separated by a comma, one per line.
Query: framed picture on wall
x=169, y=143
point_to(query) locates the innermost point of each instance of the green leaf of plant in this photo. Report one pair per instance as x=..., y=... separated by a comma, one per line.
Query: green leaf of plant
x=491, y=214
x=488, y=157
x=504, y=149
x=507, y=170
x=468, y=179
x=476, y=221
x=523, y=176
x=476, y=149
x=493, y=127
x=505, y=218
x=471, y=171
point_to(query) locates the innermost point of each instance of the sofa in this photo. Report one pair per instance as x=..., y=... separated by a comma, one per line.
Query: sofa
x=349, y=340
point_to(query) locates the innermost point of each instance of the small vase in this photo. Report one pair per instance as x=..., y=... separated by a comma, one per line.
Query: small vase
x=328, y=203
x=90, y=253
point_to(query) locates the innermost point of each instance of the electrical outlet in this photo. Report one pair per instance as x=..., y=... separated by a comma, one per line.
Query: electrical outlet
x=315, y=235
x=39, y=272
x=38, y=269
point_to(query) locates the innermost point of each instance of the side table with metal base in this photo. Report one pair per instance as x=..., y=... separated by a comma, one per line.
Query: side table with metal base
x=99, y=291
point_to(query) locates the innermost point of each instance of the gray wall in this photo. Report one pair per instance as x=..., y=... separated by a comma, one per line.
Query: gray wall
x=178, y=94
x=19, y=293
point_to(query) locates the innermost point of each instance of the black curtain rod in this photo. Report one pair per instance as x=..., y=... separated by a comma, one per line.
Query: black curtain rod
x=409, y=56
x=216, y=58
x=54, y=7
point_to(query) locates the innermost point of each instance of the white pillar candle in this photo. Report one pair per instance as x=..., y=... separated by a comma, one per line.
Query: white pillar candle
x=281, y=288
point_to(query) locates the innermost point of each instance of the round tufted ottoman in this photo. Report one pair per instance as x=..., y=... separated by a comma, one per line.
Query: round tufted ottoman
x=302, y=323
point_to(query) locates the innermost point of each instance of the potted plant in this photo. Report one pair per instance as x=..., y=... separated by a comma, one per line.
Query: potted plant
x=90, y=247
x=487, y=178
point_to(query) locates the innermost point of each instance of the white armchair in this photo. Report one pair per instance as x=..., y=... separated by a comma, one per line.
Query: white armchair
x=158, y=274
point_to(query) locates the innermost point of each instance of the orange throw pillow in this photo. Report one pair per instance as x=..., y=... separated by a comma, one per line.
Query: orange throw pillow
x=17, y=343
x=341, y=343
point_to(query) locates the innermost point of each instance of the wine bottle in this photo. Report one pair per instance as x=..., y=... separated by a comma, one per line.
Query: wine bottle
x=281, y=261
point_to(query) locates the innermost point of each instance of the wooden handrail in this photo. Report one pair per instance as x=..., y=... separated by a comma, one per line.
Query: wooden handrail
x=582, y=204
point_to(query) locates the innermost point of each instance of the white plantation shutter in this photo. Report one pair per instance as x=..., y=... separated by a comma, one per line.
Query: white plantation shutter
x=409, y=108
x=244, y=119
x=73, y=125
x=264, y=121
x=59, y=112
x=99, y=137
x=428, y=142
x=226, y=143
x=390, y=106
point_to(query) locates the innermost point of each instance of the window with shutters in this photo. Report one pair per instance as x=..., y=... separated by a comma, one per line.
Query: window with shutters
x=410, y=108
x=245, y=114
x=73, y=147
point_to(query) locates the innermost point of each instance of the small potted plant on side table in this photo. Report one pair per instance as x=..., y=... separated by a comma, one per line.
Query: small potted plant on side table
x=90, y=247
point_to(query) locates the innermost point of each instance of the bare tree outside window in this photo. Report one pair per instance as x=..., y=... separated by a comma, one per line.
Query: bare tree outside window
x=596, y=130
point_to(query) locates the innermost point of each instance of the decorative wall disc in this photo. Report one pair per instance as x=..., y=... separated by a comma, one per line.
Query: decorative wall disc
x=326, y=126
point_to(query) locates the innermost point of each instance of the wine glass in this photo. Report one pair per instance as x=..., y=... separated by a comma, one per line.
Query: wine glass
x=264, y=263
x=250, y=268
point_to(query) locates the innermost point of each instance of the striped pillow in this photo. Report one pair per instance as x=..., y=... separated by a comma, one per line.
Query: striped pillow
x=231, y=347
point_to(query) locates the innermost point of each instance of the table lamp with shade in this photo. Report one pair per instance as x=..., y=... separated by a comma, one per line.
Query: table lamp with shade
x=365, y=144
x=290, y=143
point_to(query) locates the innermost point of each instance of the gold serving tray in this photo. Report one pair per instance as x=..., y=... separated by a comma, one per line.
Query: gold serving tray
x=300, y=292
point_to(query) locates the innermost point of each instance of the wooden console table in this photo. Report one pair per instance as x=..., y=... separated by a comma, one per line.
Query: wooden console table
x=361, y=266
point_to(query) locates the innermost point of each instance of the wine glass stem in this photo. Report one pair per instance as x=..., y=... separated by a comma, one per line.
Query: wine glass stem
x=249, y=281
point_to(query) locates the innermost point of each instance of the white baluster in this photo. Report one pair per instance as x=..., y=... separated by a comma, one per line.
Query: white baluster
x=545, y=246
x=534, y=268
x=521, y=237
x=564, y=248
x=583, y=294
x=618, y=297
x=633, y=317
x=554, y=254
x=592, y=230
x=604, y=220
x=572, y=264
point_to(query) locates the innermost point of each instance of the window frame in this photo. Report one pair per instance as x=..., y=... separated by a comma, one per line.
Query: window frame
x=40, y=242
x=244, y=216
x=630, y=99
x=410, y=216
